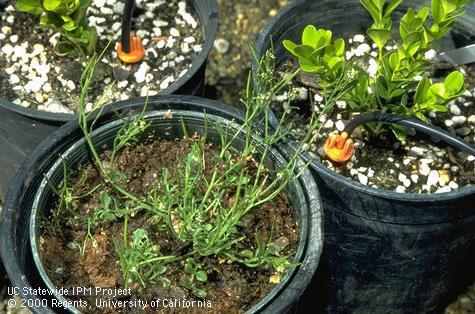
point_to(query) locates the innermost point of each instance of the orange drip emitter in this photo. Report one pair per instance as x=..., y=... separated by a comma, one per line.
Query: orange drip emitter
x=135, y=53
x=339, y=148
x=130, y=48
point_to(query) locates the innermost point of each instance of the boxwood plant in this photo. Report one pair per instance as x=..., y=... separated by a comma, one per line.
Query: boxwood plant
x=68, y=17
x=398, y=86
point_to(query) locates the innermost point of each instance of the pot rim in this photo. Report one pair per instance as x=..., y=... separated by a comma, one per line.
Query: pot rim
x=321, y=168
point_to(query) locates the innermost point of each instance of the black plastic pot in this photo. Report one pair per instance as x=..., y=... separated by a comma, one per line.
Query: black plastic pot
x=21, y=129
x=384, y=252
x=28, y=192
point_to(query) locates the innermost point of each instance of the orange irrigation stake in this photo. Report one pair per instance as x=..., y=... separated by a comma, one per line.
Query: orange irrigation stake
x=339, y=148
x=136, y=52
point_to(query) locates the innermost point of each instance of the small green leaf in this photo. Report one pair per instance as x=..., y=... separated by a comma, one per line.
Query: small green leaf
x=189, y=266
x=201, y=276
x=51, y=5
x=290, y=46
x=394, y=61
x=308, y=66
x=399, y=131
x=437, y=11
x=421, y=91
x=454, y=83
x=449, y=6
x=51, y=19
x=423, y=13
x=304, y=51
x=246, y=253
x=339, y=46
x=161, y=270
x=379, y=36
x=310, y=36
x=30, y=6
x=334, y=62
x=437, y=106
x=438, y=89
x=397, y=93
x=391, y=7
x=373, y=10
x=165, y=282
x=200, y=293
x=106, y=200
x=421, y=116
x=62, y=48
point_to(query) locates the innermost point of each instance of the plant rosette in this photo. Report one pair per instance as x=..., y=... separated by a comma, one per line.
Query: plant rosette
x=396, y=159
x=36, y=74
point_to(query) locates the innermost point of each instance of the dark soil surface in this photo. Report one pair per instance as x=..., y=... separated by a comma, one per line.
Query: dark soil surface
x=39, y=78
x=231, y=287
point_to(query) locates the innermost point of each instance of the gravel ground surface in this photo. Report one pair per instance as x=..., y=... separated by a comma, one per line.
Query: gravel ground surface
x=227, y=71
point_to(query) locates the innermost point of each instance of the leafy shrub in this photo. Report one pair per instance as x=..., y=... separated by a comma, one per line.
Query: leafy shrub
x=396, y=87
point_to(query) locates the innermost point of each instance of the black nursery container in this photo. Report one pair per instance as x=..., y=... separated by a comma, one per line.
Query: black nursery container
x=384, y=252
x=28, y=193
x=21, y=129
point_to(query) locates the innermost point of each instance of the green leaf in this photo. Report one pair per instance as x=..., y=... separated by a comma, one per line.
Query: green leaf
x=339, y=46
x=438, y=89
x=51, y=5
x=373, y=10
x=201, y=276
x=30, y=6
x=246, y=254
x=421, y=91
x=106, y=200
x=379, y=36
x=399, y=132
x=391, y=7
x=199, y=292
x=324, y=38
x=334, y=62
x=62, y=48
x=421, y=116
x=189, y=268
x=290, y=46
x=308, y=66
x=310, y=36
x=51, y=19
x=423, y=13
x=394, y=61
x=84, y=4
x=454, y=83
x=449, y=6
x=161, y=270
x=397, y=93
x=304, y=51
x=437, y=107
x=437, y=11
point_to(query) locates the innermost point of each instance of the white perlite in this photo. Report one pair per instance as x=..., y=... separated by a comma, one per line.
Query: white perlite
x=141, y=73
x=362, y=178
x=433, y=178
